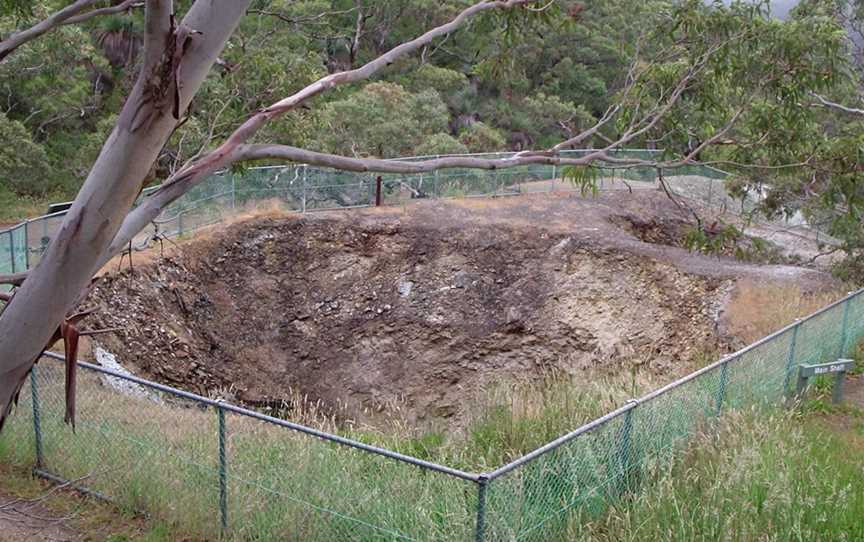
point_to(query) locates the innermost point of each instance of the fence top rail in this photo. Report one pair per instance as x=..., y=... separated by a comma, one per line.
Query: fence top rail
x=663, y=390
x=546, y=448
x=276, y=421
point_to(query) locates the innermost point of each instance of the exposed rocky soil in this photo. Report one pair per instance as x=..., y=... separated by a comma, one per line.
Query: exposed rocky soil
x=423, y=306
x=34, y=510
x=26, y=520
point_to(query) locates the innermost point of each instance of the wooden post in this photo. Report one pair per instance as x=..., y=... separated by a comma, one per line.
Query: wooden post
x=378, y=191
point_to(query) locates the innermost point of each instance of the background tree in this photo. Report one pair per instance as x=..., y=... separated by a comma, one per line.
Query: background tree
x=382, y=119
x=823, y=136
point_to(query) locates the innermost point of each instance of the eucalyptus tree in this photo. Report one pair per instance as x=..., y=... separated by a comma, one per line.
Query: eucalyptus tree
x=727, y=77
x=821, y=134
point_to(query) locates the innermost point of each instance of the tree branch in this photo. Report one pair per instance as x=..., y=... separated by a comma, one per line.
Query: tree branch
x=176, y=185
x=365, y=165
x=834, y=105
x=607, y=116
x=300, y=20
x=821, y=254
x=219, y=157
x=54, y=20
x=126, y=5
x=71, y=14
x=15, y=279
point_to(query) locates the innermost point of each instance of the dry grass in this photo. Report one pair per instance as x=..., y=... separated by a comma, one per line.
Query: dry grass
x=758, y=309
x=269, y=208
x=163, y=458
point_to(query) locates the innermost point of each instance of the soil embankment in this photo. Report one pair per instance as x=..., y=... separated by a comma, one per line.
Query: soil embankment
x=420, y=307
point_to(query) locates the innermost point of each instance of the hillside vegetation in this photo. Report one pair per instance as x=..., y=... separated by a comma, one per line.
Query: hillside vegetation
x=60, y=93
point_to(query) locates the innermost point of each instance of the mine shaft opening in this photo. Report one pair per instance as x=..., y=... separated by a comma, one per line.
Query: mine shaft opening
x=369, y=315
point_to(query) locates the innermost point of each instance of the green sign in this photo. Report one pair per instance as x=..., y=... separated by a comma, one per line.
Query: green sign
x=837, y=368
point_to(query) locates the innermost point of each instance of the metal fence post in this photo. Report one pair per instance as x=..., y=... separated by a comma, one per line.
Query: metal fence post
x=435, y=184
x=223, y=471
x=802, y=384
x=837, y=393
x=624, y=449
x=790, y=360
x=480, y=530
x=710, y=190
x=721, y=393
x=180, y=224
x=26, y=246
x=378, y=183
x=843, y=333
x=303, y=202
x=12, y=249
x=37, y=419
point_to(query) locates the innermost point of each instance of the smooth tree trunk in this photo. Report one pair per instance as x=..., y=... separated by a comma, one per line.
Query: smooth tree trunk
x=175, y=56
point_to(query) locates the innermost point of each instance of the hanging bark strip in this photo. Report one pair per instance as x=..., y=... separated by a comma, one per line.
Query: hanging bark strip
x=68, y=331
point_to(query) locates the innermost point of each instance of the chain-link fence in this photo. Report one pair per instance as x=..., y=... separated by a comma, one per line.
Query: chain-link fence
x=13, y=249
x=217, y=470
x=305, y=188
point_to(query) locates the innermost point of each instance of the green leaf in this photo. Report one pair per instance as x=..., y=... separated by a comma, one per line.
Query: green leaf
x=586, y=178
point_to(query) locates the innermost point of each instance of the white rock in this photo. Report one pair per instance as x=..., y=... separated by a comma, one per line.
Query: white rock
x=405, y=288
x=109, y=361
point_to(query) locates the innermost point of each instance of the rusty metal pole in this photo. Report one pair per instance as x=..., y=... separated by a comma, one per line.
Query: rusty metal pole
x=378, y=191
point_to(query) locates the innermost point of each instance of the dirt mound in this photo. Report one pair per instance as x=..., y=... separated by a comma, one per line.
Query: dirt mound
x=365, y=312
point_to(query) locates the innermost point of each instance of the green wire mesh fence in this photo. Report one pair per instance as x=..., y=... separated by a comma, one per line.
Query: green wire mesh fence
x=217, y=470
x=305, y=188
x=577, y=477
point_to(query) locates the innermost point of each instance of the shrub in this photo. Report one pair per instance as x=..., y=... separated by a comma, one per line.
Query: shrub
x=480, y=137
x=23, y=164
x=440, y=144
